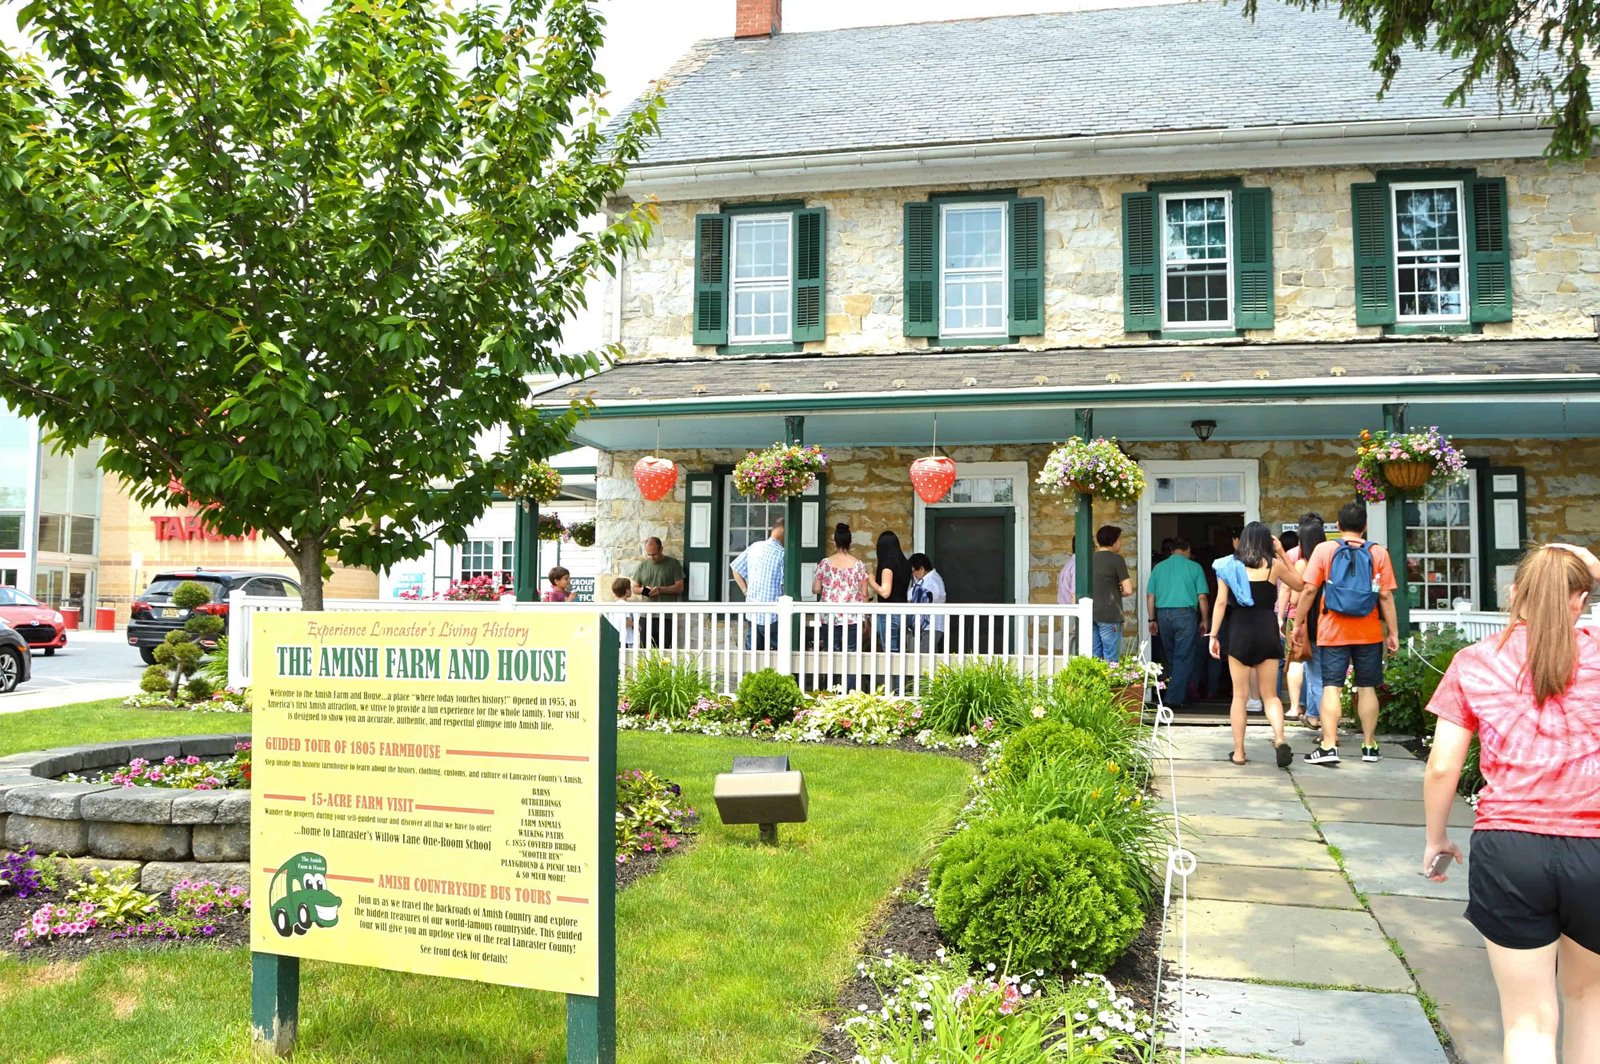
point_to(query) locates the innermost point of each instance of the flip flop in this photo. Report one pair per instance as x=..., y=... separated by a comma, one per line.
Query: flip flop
x=1284, y=754
x=1245, y=761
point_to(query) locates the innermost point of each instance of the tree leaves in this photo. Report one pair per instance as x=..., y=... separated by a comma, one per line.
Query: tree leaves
x=304, y=269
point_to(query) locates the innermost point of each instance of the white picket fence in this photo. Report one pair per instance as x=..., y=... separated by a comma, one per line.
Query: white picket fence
x=1476, y=624
x=824, y=645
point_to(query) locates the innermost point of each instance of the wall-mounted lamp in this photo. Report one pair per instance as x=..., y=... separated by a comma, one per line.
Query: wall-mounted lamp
x=1203, y=429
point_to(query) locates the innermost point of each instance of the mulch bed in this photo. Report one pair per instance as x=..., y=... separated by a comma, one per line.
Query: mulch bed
x=910, y=931
x=232, y=931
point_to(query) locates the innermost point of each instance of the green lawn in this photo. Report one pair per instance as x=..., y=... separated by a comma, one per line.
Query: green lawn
x=103, y=722
x=730, y=953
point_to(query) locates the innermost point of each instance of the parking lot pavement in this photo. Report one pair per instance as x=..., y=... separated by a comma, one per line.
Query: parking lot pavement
x=93, y=665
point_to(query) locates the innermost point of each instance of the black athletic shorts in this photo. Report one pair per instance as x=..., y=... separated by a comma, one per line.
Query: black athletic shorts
x=1525, y=890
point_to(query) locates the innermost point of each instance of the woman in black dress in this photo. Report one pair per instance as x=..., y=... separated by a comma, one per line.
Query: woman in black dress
x=1253, y=642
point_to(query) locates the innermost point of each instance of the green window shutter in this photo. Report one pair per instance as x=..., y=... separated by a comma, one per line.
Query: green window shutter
x=1141, y=301
x=809, y=321
x=711, y=278
x=1370, y=208
x=922, y=270
x=1252, y=273
x=1489, y=251
x=1502, y=530
x=1027, y=267
x=702, y=538
x=814, y=545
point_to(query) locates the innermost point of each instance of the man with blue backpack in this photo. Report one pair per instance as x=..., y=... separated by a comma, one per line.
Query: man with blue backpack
x=1356, y=622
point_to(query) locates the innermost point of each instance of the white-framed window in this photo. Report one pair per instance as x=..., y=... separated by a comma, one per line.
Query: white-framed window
x=1197, y=260
x=972, y=269
x=1225, y=488
x=1442, y=546
x=1430, y=252
x=761, y=278
x=485, y=557
x=745, y=520
x=981, y=491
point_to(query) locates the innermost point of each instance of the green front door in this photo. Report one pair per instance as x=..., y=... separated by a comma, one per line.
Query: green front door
x=974, y=549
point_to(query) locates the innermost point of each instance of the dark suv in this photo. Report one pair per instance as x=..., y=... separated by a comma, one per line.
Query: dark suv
x=16, y=664
x=153, y=615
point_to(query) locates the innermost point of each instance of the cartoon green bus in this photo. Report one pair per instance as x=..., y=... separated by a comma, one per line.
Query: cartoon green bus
x=299, y=897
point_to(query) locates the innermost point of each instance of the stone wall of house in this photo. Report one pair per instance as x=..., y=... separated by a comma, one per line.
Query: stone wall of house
x=1554, y=215
x=870, y=489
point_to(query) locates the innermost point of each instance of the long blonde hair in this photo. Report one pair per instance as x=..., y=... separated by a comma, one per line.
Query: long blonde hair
x=1546, y=580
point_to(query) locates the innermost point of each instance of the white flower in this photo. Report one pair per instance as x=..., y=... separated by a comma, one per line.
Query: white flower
x=927, y=1025
x=990, y=966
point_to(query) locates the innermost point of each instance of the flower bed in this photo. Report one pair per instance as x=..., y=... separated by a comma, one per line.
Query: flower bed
x=188, y=773
x=227, y=700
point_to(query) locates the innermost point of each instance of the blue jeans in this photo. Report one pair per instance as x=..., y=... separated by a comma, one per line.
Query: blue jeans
x=1311, y=685
x=1178, y=627
x=760, y=635
x=889, y=631
x=1108, y=640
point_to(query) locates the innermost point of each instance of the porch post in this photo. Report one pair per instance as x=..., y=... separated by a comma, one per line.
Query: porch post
x=1083, y=527
x=1394, y=420
x=794, y=430
x=525, y=552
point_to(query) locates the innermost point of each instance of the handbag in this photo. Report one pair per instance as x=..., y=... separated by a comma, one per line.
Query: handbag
x=1299, y=644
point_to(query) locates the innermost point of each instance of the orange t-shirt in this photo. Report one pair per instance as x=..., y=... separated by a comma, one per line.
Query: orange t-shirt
x=1338, y=629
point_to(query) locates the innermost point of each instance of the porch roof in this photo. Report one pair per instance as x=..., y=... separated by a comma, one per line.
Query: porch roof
x=1537, y=388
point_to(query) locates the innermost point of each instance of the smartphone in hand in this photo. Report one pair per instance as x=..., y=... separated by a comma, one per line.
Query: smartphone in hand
x=1441, y=863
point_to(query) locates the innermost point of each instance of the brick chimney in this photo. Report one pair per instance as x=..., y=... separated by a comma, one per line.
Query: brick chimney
x=757, y=18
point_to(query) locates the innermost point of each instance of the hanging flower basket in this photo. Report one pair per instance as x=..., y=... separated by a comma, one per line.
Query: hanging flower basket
x=1092, y=467
x=582, y=533
x=550, y=527
x=1405, y=463
x=539, y=482
x=780, y=471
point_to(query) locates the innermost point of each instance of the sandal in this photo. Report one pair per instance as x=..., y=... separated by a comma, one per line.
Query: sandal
x=1284, y=754
x=1314, y=723
x=1245, y=761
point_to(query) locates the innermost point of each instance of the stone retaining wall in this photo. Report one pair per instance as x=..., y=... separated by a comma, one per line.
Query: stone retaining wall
x=167, y=834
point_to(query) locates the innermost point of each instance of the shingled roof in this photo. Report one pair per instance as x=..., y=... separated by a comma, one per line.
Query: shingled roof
x=1181, y=66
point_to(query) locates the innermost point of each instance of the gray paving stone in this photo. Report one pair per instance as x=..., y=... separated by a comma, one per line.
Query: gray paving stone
x=1204, y=827
x=1382, y=811
x=1245, y=806
x=1271, y=886
x=1459, y=979
x=1264, y=852
x=1278, y=788
x=1309, y=1026
x=1387, y=859
x=1218, y=769
x=1355, y=783
x=1425, y=920
x=1286, y=944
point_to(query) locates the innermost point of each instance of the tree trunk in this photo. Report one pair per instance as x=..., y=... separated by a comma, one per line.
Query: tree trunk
x=308, y=560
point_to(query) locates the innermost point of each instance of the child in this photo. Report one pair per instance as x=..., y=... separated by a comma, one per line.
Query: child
x=622, y=591
x=560, y=581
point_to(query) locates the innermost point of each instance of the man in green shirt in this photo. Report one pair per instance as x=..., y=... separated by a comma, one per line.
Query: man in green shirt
x=658, y=578
x=1178, y=602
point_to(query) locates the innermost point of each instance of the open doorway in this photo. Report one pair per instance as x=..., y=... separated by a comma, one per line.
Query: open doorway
x=1210, y=536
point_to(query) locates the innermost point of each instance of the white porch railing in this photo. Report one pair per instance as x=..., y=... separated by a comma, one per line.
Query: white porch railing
x=1476, y=624
x=806, y=640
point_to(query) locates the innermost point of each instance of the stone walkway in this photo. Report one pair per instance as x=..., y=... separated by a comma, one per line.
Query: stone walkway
x=1286, y=960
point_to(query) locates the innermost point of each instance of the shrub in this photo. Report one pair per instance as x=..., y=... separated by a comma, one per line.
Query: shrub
x=1043, y=743
x=117, y=901
x=215, y=667
x=650, y=810
x=1085, y=674
x=661, y=688
x=1095, y=709
x=1411, y=677
x=769, y=695
x=1035, y=895
x=860, y=716
x=179, y=656
x=961, y=698
x=1099, y=797
x=198, y=689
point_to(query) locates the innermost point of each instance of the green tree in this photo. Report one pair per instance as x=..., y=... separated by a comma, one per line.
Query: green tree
x=302, y=270
x=178, y=657
x=1535, y=55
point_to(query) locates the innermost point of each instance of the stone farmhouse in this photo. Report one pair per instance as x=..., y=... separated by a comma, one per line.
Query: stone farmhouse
x=1205, y=236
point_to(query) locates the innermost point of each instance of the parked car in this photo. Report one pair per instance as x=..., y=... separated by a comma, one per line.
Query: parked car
x=153, y=614
x=35, y=622
x=16, y=664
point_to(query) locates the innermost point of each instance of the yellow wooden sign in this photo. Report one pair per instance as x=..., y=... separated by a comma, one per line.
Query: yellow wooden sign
x=425, y=793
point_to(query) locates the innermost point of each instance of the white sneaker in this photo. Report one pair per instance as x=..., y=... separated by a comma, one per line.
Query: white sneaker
x=1254, y=705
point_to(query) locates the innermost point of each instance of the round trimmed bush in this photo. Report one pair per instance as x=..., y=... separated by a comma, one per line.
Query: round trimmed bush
x=769, y=694
x=1035, y=895
x=1043, y=743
